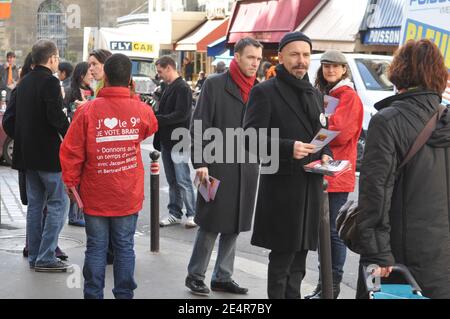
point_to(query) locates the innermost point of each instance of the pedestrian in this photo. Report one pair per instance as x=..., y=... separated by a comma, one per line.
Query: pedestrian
x=289, y=201
x=175, y=108
x=404, y=211
x=40, y=123
x=201, y=80
x=188, y=69
x=65, y=70
x=112, y=191
x=221, y=106
x=263, y=70
x=221, y=67
x=9, y=74
x=9, y=125
x=96, y=60
x=79, y=91
x=333, y=79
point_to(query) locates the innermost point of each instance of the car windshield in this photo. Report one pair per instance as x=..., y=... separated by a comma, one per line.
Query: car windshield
x=374, y=74
x=144, y=68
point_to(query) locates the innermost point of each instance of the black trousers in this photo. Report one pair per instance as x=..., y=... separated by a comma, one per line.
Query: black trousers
x=285, y=274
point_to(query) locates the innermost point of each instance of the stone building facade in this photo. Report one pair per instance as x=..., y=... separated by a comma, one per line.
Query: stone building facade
x=60, y=20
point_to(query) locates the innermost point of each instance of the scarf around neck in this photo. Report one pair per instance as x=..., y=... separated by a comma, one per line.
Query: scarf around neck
x=303, y=90
x=244, y=83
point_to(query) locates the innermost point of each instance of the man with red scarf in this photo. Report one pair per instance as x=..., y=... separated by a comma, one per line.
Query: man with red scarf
x=221, y=107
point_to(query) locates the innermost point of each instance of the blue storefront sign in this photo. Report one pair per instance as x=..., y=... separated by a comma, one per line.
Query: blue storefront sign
x=383, y=36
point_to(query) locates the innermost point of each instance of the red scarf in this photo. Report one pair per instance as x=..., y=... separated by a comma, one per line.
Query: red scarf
x=244, y=83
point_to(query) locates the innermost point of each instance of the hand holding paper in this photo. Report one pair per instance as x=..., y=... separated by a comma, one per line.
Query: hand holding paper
x=208, y=189
x=323, y=138
x=301, y=150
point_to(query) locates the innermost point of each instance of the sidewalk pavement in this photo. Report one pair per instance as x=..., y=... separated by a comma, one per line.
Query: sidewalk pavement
x=158, y=276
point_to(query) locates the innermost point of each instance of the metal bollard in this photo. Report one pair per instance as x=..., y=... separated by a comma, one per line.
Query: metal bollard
x=326, y=274
x=154, y=202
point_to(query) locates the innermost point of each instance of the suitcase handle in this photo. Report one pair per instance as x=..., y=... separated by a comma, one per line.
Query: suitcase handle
x=397, y=268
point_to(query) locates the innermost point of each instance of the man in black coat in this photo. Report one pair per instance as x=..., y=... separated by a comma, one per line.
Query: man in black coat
x=40, y=125
x=289, y=201
x=175, y=109
x=221, y=108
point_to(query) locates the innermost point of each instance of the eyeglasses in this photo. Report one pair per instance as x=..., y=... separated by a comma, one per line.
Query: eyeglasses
x=57, y=56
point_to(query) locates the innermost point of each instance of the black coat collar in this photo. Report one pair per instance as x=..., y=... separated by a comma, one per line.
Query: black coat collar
x=292, y=101
x=42, y=68
x=398, y=97
x=232, y=88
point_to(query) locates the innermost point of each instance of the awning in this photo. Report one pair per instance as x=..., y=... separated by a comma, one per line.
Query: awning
x=217, y=47
x=382, y=36
x=332, y=26
x=224, y=57
x=267, y=21
x=382, y=23
x=383, y=14
x=208, y=32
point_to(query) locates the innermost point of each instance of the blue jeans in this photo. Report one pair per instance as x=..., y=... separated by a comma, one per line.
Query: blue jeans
x=201, y=255
x=75, y=213
x=99, y=230
x=44, y=189
x=181, y=188
x=338, y=248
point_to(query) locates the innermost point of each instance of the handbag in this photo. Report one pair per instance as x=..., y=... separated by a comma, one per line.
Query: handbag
x=346, y=219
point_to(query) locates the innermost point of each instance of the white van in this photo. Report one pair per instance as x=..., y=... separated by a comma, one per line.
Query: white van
x=369, y=74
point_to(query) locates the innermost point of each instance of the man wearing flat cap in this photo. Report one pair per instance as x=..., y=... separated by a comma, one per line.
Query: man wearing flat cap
x=289, y=201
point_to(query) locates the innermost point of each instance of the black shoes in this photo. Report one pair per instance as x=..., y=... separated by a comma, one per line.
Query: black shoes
x=317, y=293
x=58, y=266
x=197, y=287
x=230, y=286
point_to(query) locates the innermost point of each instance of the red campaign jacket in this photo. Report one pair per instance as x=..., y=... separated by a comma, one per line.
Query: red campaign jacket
x=347, y=119
x=101, y=152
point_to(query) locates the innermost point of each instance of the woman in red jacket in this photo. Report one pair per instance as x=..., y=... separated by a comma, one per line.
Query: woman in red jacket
x=333, y=79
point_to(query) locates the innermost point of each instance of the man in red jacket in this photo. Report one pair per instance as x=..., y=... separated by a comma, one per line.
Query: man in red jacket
x=101, y=155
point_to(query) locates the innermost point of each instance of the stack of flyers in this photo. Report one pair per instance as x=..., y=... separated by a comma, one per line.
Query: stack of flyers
x=333, y=168
x=323, y=138
x=208, y=190
x=330, y=104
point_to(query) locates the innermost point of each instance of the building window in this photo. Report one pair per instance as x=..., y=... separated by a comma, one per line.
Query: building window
x=51, y=19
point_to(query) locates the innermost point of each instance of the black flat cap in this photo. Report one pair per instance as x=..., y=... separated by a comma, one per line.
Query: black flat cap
x=294, y=36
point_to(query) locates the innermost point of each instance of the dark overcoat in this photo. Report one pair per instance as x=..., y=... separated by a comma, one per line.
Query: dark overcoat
x=404, y=214
x=289, y=201
x=220, y=107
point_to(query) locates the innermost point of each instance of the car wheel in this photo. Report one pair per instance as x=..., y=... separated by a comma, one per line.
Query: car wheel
x=360, y=151
x=8, y=148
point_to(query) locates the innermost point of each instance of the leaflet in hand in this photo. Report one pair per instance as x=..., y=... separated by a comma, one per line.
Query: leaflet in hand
x=77, y=197
x=209, y=189
x=332, y=168
x=323, y=138
x=330, y=104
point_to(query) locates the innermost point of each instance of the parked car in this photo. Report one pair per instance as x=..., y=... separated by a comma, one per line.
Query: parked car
x=369, y=74
x=6, y=144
